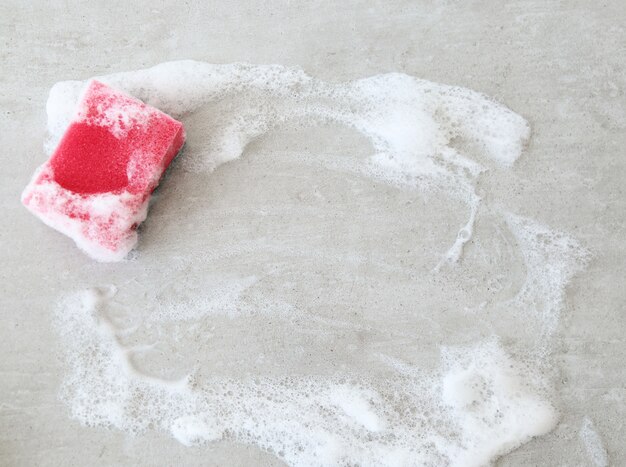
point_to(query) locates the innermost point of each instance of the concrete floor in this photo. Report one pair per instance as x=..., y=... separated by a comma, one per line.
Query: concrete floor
x=560, y=64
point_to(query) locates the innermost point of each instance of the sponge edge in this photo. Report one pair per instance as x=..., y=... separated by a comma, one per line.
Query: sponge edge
x=96, y=186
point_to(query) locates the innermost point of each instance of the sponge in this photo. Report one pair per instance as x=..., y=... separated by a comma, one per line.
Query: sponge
x=96, y=186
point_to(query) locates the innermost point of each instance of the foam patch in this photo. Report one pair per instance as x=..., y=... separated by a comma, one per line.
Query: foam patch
x=222, y=348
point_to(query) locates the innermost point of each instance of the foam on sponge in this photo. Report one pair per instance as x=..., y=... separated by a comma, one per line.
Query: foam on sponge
x=96, y=185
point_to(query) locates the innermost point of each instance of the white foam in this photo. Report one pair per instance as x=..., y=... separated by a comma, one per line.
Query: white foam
x=551, y=258
x=53, y=200
x=192, y=430
x=412, y=124
x=357, y=406
x=479, y=404
x=497, y=404
x=480, y=401
x=593, y=444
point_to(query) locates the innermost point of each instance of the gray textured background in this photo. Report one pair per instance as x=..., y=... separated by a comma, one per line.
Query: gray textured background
x=558, y=63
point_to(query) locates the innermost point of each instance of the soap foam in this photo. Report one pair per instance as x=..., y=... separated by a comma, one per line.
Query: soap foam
x=482, y=399
x=55, y=201
x=412, y=124
x=479, y=404
x=596, y=452
x=551, y=258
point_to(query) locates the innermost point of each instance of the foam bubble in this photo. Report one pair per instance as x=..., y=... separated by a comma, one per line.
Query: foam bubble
x=482, y=396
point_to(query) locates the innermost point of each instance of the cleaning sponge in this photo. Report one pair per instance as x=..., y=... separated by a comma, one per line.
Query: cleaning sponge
x=96, y=186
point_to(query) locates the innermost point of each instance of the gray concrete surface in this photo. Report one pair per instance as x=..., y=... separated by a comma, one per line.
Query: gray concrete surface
x=561, y=64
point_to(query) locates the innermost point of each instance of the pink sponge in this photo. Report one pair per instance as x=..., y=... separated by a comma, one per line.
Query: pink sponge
x=96, y=185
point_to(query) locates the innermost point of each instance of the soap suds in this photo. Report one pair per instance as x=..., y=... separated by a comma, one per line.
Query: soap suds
x=593, y=444
x=479, y=404
x=107, y=236
x=551, y=258
x=411, y=123
x=479, y=398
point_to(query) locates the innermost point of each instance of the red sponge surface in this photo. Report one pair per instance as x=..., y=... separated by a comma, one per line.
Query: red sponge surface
x=96, y=185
